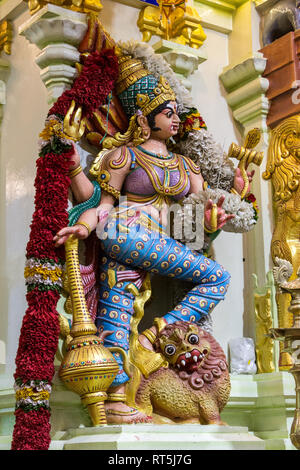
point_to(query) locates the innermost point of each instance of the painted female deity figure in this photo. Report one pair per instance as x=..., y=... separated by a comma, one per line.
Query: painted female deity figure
x=139, y=165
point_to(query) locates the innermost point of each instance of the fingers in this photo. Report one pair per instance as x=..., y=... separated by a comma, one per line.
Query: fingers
x=82, y=127
x=250, y=175
x=209, y=205
x=62, y=236
x=70, y=111
x=220, y=201
x=77, y=116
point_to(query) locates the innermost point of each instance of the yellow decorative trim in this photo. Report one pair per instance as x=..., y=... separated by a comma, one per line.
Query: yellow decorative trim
x=53, y=274
x=6, y=36
x=159, y=323
x=163, y=93
x=213, y=220
x=116, y=397
x=234, y=191
x=149, y=335
x=264, y=344
x=53, y=128
x=247, y=155
x=86, y=225
x=110, y=189
x=75, y=172
x=83, y=6
x=172, y=20
x=24, y=393
x=130, y=71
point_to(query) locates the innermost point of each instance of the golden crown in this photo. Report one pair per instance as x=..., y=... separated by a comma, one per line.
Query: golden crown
x=139, y=88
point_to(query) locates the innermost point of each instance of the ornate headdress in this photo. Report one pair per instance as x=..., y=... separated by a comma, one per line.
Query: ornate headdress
x=138, y=89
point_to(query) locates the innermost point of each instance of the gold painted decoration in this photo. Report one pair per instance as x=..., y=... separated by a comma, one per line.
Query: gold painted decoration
x=283, y=169
x=264, y=344
x=173, y=20
x=290, y=336
x=83, y=6
x=246, y=155
x=6, y=36
x=88, y=368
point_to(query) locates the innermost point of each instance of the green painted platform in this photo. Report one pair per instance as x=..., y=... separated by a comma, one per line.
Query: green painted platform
x=158, y=437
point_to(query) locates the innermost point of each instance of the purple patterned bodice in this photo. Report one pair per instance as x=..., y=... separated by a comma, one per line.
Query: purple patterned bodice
x=138, y=182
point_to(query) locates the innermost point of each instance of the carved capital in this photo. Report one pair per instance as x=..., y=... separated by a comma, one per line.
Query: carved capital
x=57, y=32
x=246, y=88
x=184, y=60
x=83, y=6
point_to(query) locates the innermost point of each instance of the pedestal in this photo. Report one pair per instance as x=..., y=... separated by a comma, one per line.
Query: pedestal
x=158, y=437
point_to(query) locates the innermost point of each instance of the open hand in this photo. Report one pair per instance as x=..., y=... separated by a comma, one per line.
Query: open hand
x=239, y=183
x=79, y=231
x=215, y=222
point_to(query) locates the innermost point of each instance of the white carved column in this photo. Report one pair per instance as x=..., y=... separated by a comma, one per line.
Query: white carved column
x=183, y=59
x=57, y=32
x=245, y=93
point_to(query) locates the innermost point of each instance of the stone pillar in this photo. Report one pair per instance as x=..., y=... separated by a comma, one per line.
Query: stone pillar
x=183, y=59
x=57, y=32
x=245, y=89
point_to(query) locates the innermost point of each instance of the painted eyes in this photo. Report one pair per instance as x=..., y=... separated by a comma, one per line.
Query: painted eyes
x=193, y=339
x=170, y=349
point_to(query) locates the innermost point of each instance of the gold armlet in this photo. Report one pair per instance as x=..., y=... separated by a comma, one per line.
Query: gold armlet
x=150, y=335
x=116, y=397
x=75, y=172
x=110, y=189
x=86, y=225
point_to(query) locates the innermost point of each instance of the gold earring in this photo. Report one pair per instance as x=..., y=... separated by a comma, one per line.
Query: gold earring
x=145, y=133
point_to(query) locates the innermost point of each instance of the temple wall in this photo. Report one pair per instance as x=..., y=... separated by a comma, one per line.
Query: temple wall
x=23, y=118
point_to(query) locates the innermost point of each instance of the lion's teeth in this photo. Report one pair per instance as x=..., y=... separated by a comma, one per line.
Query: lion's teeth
x=178, y=365
x=183, y=362
x=188, y=355
x=195, y=358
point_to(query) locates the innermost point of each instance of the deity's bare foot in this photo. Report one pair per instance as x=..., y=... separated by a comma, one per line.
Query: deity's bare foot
x=118, y=412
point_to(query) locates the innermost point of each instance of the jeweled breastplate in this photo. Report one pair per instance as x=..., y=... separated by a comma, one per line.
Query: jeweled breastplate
x=157, y=178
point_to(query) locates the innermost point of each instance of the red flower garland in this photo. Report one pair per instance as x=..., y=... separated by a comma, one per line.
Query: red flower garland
x=40, y=328
x=93, y=85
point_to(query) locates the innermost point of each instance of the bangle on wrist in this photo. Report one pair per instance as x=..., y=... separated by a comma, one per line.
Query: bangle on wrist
x=234, y=191
x=86, y=225
x=75, y=172
x=207, y=230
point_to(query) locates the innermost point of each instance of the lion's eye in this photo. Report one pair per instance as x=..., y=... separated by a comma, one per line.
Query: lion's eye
x=193, y=339
x=170, y=349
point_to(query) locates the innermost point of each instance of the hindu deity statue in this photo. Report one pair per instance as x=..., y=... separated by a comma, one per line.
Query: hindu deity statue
x=140, y=177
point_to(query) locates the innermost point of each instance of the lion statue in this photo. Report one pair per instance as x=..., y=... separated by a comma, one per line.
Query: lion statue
x=283, y=169
x=196, y=385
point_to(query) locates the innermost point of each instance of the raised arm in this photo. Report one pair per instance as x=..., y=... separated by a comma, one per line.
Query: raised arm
x=115, y=167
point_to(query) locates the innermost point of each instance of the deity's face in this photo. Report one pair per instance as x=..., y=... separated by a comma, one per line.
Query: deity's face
x=166, y=122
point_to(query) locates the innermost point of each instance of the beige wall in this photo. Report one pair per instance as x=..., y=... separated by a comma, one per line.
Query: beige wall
x=23, y=117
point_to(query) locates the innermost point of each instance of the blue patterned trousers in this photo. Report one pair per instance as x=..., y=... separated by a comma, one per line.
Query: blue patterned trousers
x=131, y=250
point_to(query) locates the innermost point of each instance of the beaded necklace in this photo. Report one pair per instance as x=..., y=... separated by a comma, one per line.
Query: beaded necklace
x=156, y=155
